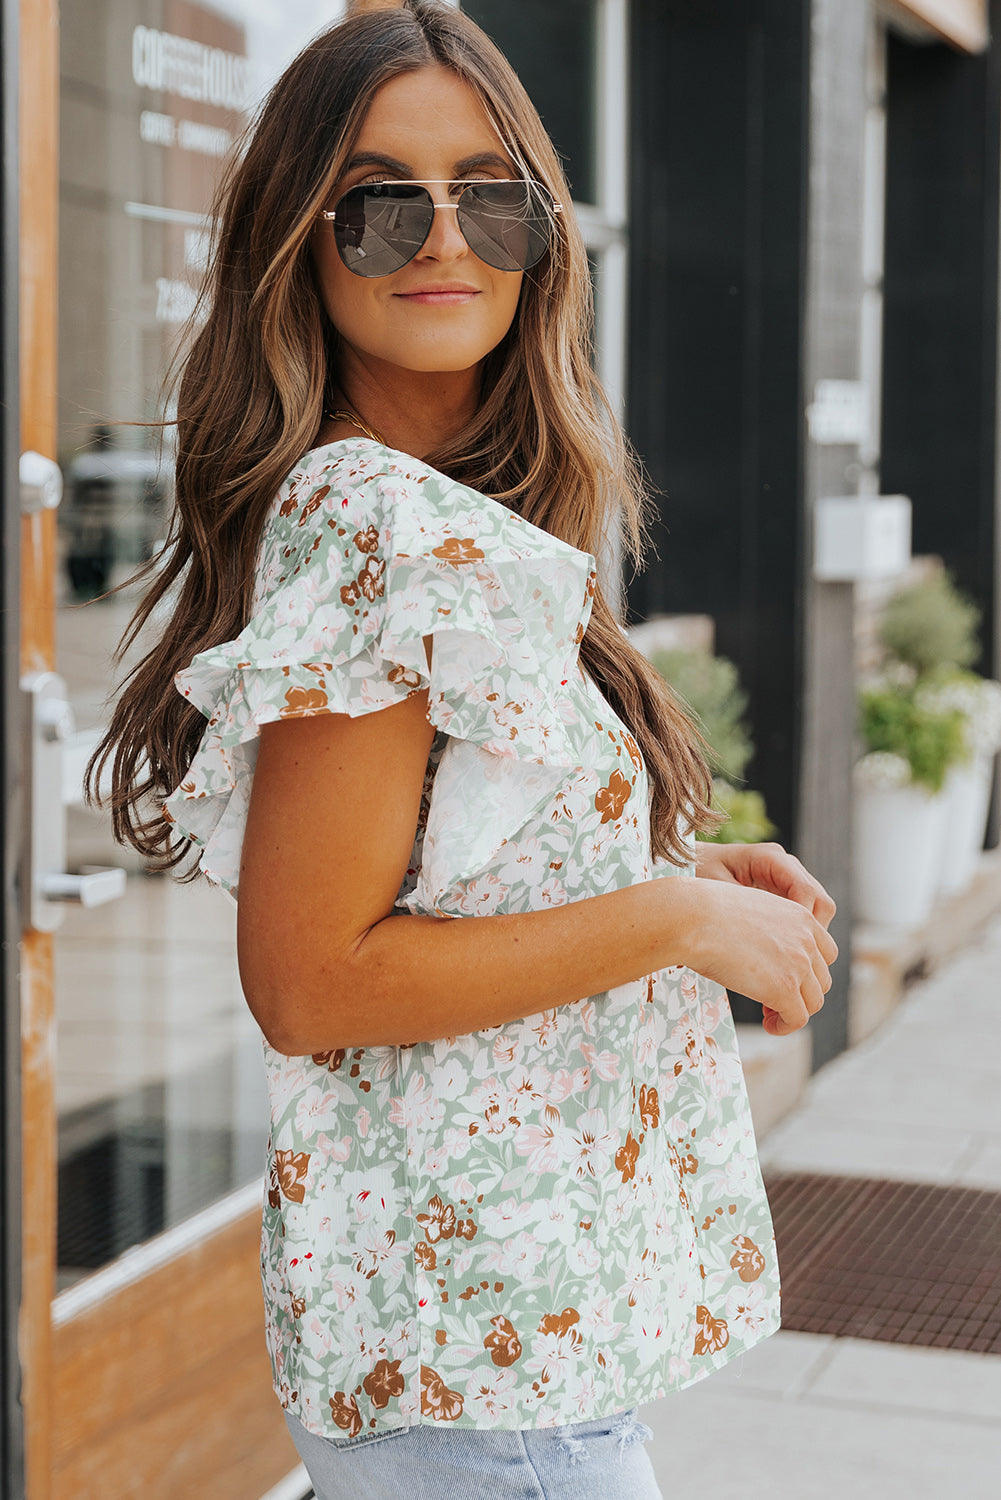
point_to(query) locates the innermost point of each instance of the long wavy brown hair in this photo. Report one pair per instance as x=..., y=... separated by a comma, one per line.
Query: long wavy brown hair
x=262, y=361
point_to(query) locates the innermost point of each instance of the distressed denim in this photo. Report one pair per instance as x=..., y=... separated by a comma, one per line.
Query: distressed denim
x=600, y=1460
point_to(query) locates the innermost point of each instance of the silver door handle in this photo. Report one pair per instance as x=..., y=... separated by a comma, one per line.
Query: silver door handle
x=41, y=483
x=48, y=886
x=94, y=885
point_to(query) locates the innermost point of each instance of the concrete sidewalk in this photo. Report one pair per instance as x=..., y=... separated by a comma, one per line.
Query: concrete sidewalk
x=809, y=1417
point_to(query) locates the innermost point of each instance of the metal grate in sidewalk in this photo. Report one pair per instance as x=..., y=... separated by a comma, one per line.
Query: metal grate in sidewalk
x=903, y=1262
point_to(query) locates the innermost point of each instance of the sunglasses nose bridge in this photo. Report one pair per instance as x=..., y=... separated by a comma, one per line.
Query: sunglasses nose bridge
x=447, y=230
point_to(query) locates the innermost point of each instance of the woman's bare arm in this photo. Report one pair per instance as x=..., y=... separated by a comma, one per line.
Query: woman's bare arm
x=326, y=963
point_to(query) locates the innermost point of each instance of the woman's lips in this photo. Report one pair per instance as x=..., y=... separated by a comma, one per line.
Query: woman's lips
x=440, y=296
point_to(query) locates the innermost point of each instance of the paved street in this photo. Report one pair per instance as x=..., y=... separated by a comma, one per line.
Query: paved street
x=808, y=1417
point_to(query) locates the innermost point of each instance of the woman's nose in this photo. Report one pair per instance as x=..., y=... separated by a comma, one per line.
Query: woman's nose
x=445, y=239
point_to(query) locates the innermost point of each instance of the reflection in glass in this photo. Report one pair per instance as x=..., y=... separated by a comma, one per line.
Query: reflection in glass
x=533, y=37
x=160, y=1088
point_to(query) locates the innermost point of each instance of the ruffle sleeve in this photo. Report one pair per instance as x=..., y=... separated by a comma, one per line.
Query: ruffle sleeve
x=366, y=552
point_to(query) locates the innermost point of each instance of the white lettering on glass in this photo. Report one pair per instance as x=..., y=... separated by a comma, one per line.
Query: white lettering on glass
x=163, y=130
x=157, y=130
x=210, y=140
x=182, y=66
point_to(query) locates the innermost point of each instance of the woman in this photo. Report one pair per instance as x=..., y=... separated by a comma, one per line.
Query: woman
x=513, y=1189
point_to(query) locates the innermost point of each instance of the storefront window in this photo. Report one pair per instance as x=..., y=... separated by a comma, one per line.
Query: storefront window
x=160, y=1084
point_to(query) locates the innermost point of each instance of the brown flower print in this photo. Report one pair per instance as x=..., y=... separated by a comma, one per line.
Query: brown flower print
x=465, y=1229
x=350, y=593
x=346, y=1413
x=611, y=799
x=437, y=1401
x=299, y=702
x=748, y=1261
x=313, y=504
x=439, y=1223
x=367, y=540
x=626, y=1157
x=332, y=1061
x=406, y=675
x=633, y=749
x=425, y=1256
x=384, y=1383
x=456, y=549
x=712, y=1332
x=649, y=1107
x=562, y=1324
x=370, y=578
x=504, y=1344
x=287, y=1172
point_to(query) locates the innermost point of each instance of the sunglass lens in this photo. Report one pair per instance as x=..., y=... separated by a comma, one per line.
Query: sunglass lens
x=380, y=226
x=507, y=224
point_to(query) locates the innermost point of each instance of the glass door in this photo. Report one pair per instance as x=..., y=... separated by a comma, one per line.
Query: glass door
x=145, y=1111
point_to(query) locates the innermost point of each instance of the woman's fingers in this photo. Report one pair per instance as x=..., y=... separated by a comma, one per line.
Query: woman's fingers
x=827, y=946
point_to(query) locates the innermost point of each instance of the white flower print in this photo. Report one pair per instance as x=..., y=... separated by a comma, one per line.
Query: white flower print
x=482, y=896
x=503, y=1218
x=451, y=1079
x=348, y=1287
x=582, y=1390
x=523, y=860
x=491, y=1392
x=315, y=1107
x=418, y=1109
x=605, y=1064
x=517, y=1256
x=592, y=1145
x=370, y=1195
x=547, y=1147
x=584, y=1258
x=746, y=1311
x=596, y=1318
x=552, y=893
x=559, y=1220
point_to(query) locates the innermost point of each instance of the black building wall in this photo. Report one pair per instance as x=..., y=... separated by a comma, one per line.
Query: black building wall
x=940, y=394
x=715, y=401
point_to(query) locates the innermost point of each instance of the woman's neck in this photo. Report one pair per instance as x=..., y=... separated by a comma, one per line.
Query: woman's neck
x=415, y=412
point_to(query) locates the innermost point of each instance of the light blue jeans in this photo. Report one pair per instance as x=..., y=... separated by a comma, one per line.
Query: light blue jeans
x=600, y=1460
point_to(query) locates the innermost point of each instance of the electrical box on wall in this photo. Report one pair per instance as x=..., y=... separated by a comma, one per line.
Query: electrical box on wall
x=861, y=536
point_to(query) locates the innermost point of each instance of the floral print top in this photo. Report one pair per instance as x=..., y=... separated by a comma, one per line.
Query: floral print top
x=534, y=1224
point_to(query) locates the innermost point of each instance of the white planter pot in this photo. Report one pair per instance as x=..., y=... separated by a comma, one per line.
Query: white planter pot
x=899, y=834
x=968, y=790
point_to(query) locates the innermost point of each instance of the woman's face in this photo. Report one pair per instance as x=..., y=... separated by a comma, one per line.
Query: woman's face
x=445, y=309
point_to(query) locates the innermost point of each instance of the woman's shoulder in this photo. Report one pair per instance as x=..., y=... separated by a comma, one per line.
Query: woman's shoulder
x=378, y=498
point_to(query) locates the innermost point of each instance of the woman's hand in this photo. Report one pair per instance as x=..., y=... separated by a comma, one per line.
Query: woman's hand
x=764, y=931
x=768, y=867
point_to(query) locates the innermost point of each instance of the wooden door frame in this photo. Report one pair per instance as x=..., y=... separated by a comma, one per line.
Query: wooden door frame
x=11, y=1414
x=193, y=1407
x=37, y=163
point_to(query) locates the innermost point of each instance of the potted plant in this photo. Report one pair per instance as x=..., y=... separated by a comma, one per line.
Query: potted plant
x=932, y=627
x=901, y=808
x=709, y=689
x=968, y=783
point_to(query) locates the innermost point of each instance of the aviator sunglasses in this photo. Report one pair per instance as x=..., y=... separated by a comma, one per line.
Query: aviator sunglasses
x=380, y=226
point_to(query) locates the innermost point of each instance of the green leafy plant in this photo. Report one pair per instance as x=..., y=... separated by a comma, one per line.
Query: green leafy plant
x=710, y=691
x=747, y=822
x=896, y=721
x=709, y=688
x=931, y=625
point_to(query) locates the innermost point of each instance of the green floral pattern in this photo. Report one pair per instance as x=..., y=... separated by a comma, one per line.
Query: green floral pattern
x=533, y=1224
